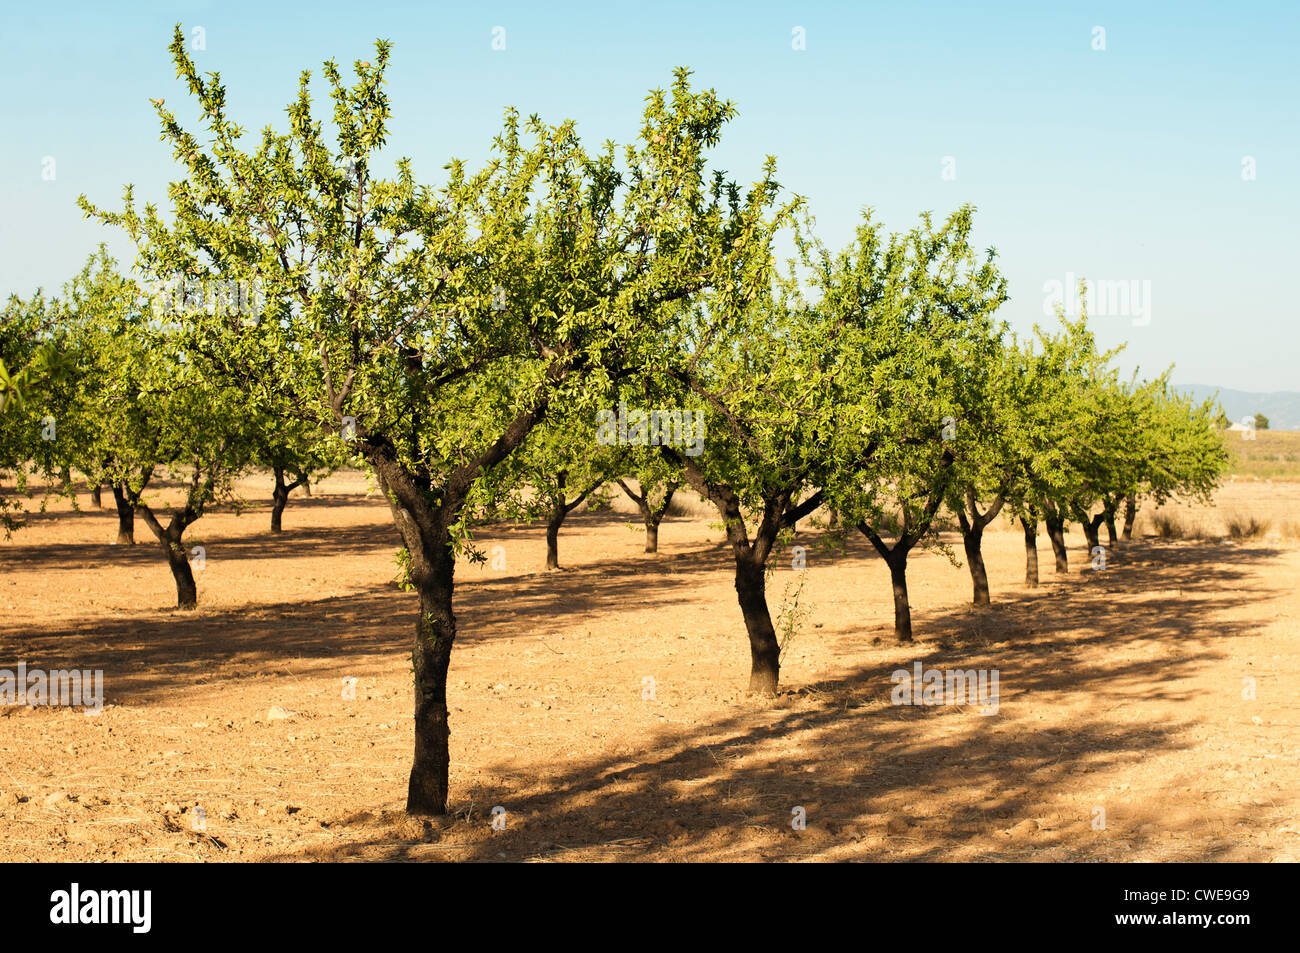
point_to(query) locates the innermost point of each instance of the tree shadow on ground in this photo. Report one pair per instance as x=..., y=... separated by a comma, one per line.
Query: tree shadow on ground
x=880, y=781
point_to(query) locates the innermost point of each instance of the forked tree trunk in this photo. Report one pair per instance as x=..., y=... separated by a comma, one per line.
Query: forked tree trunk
x=424, y=528
x=171, y=538
x=1130, y=516
x=654, y=515
x=751, y=557
x=651, y=515
x=1031, y=551
x=764, y=647
x=895, y=558
x=972, y=538
x=913, y=530
x=1091, y=529
x=280, y=497
x=125, y=517
x=560, y=509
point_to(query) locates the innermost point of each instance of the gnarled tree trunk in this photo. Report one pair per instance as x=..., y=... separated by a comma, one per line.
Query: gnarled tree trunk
x=764, y=647
x=425, y=527
x=171, y=538
x=187, y=594
x=911, y=533
x=280, y=497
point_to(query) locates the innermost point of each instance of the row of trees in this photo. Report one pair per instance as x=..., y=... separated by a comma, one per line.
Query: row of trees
x=469, y=342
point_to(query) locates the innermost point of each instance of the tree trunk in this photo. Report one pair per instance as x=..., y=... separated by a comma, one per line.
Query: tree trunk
x=1130, y=517
x=651, y=515
x=972, y=538
x=651, y=535
x=278, y=500
x=306, y=487
x=125, y=517
x=1031, y=552
x=426, y=791
x=902, y=606
x=1091, y=527
x=975, y=559
x=553, y=535
x=1111, y=534
x=96, y=497
x=1056, y=533
x=187, y=595
x=764, y=648
x=648, y=518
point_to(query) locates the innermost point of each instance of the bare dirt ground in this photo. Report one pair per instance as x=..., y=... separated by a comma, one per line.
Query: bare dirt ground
x=1120, y=689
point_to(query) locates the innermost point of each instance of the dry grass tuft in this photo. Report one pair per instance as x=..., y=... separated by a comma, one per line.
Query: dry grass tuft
x=1246, y=527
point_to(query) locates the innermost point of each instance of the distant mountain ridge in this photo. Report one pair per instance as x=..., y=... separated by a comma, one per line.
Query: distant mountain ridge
x=1282, y=407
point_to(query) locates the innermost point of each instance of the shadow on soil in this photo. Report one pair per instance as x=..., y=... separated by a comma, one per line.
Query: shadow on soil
x=702, y=788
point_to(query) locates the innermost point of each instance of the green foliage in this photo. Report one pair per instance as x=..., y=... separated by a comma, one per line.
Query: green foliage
x=917, y=351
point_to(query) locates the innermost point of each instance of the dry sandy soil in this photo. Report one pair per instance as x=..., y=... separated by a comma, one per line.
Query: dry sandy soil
x=1120, y=689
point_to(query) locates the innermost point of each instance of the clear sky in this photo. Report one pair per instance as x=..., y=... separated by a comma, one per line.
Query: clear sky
x=1123, y=164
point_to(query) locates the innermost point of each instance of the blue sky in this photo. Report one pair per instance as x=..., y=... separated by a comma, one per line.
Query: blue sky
x=1118, y=165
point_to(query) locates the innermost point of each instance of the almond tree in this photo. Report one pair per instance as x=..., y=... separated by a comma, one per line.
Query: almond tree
x=765, y=376
x=296, y=458
x=147, y=408
x=37, y=381
x=108, y=340
x=1049, y=430
x=434, y=328
x=1183, y=454
x=561, y=465
x=915, y=311
x=657, y=482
